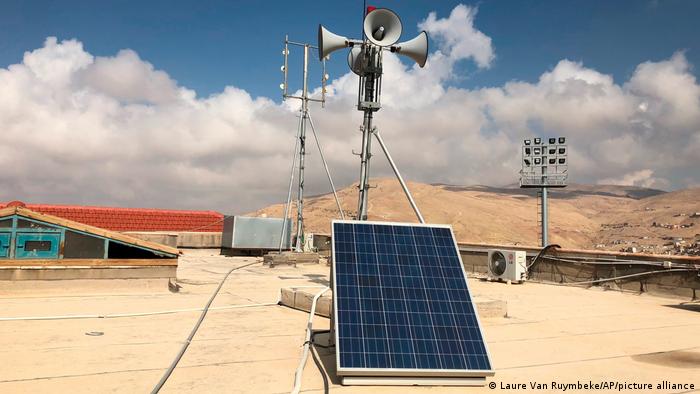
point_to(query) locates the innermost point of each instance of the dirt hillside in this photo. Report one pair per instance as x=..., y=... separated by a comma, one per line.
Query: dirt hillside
x=581, y=216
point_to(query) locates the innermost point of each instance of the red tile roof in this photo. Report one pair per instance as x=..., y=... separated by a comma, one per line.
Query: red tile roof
x=133, y=219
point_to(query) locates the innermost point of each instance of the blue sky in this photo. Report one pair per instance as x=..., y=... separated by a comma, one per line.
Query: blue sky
x=208, y=45
x=187, y=106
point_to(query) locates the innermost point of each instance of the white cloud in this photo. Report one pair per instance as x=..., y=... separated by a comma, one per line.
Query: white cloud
x=128, y=78
x=641, y=178
x=457, y=36
x=55, y=64
x=116, y=130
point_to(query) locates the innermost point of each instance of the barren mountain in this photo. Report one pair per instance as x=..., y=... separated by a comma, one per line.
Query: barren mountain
x=581, y=216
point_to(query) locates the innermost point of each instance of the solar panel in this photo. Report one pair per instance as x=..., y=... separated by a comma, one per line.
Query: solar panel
x=402, y=303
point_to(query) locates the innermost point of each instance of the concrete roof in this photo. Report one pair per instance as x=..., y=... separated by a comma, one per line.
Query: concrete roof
x=552, y=333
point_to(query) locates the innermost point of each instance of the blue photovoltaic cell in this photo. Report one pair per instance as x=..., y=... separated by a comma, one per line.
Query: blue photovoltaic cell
x=402, y=300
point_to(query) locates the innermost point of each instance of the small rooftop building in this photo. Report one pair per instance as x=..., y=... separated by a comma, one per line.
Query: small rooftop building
x=33, y=244
x=132, y=219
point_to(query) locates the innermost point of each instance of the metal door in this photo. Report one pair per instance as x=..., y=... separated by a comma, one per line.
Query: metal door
x=4, y=245
x=39, y=245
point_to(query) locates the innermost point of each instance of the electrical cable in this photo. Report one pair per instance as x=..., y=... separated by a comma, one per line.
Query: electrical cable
x=172, y=366
x=137, y=314
x=317, y=361
x=307, y=343
x=542, y=251
x=616, y=262
x=622, y=277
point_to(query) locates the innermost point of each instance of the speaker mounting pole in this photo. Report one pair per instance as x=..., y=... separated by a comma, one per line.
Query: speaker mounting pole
x=381, y=29
x=368, y=101
x=300, y=147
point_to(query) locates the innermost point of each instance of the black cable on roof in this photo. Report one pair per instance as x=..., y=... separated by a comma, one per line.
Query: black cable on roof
x=542, y=252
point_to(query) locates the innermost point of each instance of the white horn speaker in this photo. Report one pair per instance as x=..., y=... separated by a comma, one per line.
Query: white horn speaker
x=416, y=49
x=382, y=27
x=329, y=42
x=355, y=60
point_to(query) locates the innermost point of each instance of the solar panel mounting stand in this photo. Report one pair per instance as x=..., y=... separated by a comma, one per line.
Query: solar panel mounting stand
x=411, y=381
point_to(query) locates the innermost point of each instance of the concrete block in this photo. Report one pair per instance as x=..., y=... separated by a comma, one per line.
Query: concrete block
x=273, y=259
x=302, y=299
x=290, y=258
x=287, y=297
x=324, y=305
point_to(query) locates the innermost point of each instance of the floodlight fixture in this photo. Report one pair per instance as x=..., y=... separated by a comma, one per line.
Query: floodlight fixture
x=549, y=168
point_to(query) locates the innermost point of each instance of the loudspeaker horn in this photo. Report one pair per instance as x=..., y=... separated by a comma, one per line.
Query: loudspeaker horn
x=329, y=42
x=355, y=60
x=382, y=27
x=416, y=49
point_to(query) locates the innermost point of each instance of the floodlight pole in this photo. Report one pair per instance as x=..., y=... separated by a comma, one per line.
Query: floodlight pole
x=545, y=218
x=544, y=165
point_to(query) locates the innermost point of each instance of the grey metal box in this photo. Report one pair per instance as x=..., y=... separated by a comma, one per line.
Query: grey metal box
x=242, y=232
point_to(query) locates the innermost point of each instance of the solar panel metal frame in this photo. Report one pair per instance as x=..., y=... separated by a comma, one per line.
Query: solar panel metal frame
x=403, y=372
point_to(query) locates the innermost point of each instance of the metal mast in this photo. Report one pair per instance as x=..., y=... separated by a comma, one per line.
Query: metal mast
x=370, y=89
x=381, y=29
x=302, y=153
x=368, y=102
x=304, y=117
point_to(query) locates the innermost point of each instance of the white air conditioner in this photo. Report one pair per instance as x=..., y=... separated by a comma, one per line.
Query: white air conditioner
x=507, y=265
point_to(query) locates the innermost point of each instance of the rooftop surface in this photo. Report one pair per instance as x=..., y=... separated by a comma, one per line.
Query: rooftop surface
x=552, y=334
